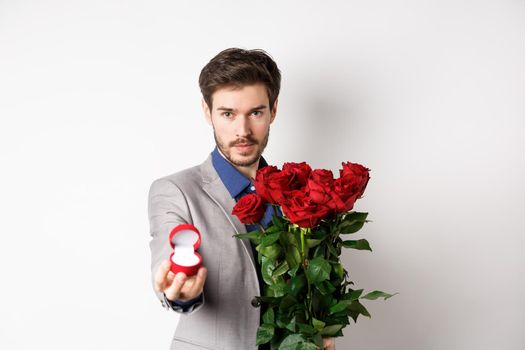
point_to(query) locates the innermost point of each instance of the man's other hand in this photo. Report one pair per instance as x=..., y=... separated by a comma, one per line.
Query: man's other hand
x=179, y=287
x=329, y=343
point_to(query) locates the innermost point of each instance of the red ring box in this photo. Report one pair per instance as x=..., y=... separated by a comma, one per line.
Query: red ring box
x=185, y=239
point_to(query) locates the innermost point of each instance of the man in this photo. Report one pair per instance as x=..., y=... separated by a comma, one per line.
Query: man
x=240, y=94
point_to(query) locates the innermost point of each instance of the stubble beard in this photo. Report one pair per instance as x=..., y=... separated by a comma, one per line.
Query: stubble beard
x=242, y=162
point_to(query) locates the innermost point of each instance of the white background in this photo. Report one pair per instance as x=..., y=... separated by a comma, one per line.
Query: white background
x=99, y=98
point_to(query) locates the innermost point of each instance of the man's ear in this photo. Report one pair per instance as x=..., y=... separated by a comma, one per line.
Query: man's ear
x=206, y=111
x=274, y=110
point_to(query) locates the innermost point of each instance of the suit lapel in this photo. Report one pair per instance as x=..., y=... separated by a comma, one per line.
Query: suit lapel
x=216, y=190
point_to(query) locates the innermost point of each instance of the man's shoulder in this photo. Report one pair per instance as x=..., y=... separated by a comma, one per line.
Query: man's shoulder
x=183, y=178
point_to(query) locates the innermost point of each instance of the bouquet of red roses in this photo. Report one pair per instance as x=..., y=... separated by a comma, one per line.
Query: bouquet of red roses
x=307, y=294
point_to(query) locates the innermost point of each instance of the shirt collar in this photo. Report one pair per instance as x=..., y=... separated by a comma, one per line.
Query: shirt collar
x=233, y=180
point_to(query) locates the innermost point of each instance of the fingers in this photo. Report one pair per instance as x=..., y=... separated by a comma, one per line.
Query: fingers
x=328, y=343
x=161, y=276
x=179, y=286
x=170, y=277
x=173, y=291
x=198, y=284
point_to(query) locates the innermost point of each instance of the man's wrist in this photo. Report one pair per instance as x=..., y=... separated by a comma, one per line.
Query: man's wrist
x=183, y=306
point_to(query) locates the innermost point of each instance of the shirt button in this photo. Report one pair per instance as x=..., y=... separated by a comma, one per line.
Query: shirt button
x=252, y=188
x=256, y=302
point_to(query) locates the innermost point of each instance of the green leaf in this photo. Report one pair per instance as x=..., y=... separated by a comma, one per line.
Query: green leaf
x=271, y=251
x=360, y=308
x=291, y=326
x=349, y=228
x=307, y=346
x=321, y=303
x=332, y=250
x=331, y=330
x=325, y=287
x=293, y=256
x=297, y=284
x=289, y=237
x=292, y=272
x=318, y=270
x=355, y=216
x=317, y=323
x=272, y=229
x=354, y=295
x=267, y=268
x=276, y=290
x=340, y=306
x=310, y=243
x=339, y=318
x=264, y=334
x=319, y=251
x=378, y=294
x=306, y=329
x=282, y=320
x=360, y=244
x=318, y=340
x=291, y=342
x=338, y=269
x=288, y=302
x=276, y=222
x=270, y=239
x=269, y=316
x=254, y=236
x=281, y=269
x=352, y=222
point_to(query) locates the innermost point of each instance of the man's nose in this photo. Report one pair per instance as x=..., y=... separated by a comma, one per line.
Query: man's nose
x=243, y=127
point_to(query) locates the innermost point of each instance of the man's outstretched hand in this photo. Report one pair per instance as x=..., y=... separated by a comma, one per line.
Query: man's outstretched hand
x=179, y=287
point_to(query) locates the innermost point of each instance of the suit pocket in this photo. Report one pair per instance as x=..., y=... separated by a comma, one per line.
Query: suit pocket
x=185, y=344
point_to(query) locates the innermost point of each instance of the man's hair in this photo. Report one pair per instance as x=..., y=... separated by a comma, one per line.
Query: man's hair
x=237, y=68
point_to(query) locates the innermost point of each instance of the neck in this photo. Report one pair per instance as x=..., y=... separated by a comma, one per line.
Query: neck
x=248, y=171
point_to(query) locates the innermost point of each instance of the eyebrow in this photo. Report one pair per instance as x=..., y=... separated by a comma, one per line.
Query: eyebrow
x=231, y=109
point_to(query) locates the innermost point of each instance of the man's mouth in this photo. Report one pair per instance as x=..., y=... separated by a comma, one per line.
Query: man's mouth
x=243, y=146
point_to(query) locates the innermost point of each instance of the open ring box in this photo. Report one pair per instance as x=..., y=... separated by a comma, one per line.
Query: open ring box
x=185, y=239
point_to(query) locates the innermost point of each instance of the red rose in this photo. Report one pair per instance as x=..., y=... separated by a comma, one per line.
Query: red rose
x=304, y=212
x=273, y=184
x=320, y=185
x=321, y=190
x=358, y=174
x=299, y=173
x=250, y=208
x=347, y=189
x=261, y=177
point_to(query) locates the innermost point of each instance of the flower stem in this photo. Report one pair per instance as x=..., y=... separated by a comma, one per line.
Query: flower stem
x=302, y=248
x=303, y=263
x=275, y=210
x=309, y=312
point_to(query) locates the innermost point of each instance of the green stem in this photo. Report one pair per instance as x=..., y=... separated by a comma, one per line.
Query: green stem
x=303, y=263
x=302, y=248
x=275, y=210
x=309, y=312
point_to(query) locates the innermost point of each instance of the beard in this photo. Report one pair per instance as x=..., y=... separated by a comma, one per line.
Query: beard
x=244, y=160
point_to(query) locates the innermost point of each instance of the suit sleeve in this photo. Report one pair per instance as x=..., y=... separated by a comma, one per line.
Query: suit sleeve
x=167, y=208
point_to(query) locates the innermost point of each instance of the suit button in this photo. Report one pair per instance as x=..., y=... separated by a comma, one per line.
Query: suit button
x=256, y=302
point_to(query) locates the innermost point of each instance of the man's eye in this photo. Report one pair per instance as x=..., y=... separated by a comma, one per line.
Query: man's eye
x=258, y=113
x=227, y=114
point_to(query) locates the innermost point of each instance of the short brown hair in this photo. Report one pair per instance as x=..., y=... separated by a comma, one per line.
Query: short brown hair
x=237, y=67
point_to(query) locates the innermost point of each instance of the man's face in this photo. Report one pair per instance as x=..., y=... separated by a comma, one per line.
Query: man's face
x=241, y=121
